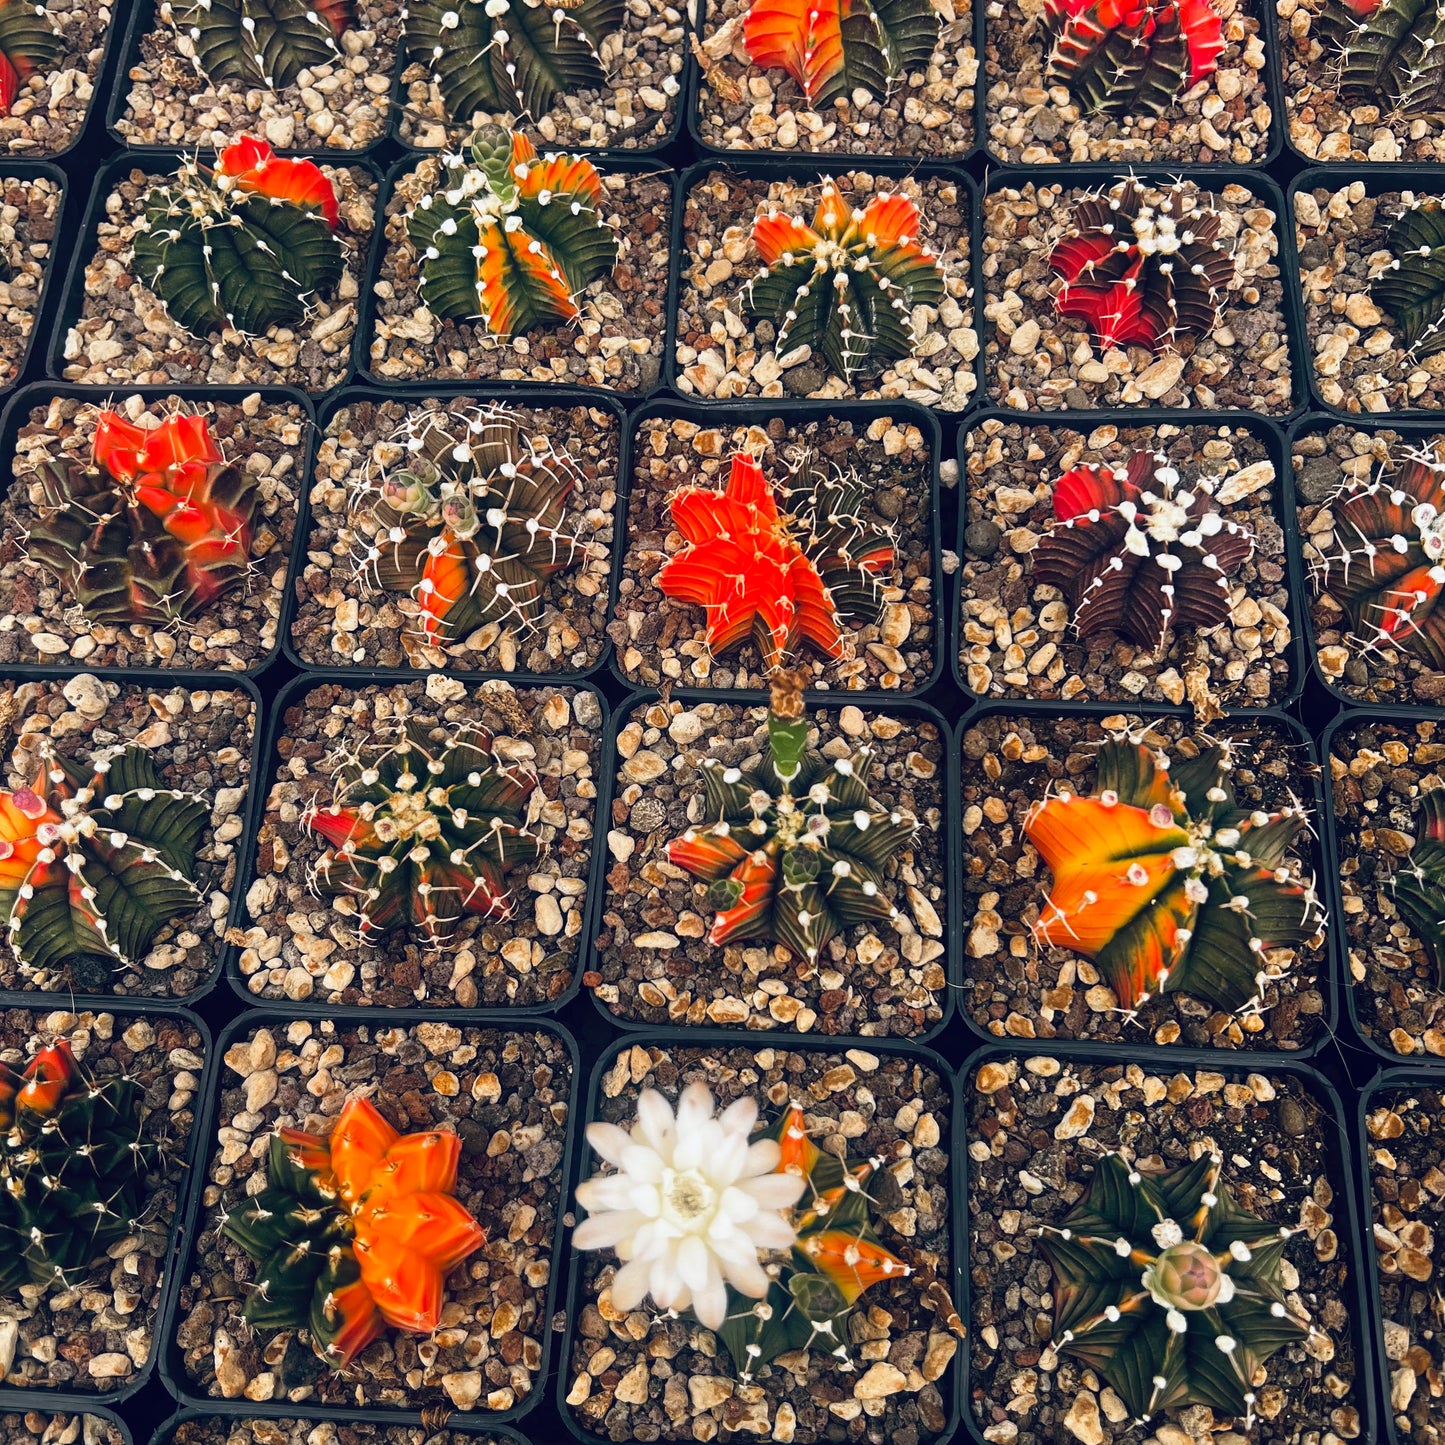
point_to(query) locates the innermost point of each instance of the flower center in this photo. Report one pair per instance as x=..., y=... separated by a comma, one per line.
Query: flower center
x=1185, y=1277
x=687, y=1197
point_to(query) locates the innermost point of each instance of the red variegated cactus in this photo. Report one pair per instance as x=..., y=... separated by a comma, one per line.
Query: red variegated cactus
x=1138, y=553
x=1143, y=272
x=1166, y=883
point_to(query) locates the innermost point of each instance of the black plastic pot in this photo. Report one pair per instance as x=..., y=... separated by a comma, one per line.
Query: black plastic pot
x=1209, y=179
x=53, y=270
x=172, y=1364
x=1141, y=1046
x=1353, y=1237
x=952, y=1385
x=23, y=1401
x=612, y=163
x=811, y=170
x=85, y=249
x=226, y=1413
x=539, y=397
x=794, y=413
x=1086, y=421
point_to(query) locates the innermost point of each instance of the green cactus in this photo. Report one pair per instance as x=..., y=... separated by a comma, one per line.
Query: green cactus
x=1412, y=287
x=259, y=42
x=1385, y=53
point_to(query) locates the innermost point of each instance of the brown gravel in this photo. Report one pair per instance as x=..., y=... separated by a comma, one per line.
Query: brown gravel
x=51, y=107
x=28, y=212
x=224, y=1430
x=40, y=1427
x=659, y=639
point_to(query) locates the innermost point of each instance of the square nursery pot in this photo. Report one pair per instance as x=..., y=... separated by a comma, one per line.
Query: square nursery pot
x=243, y=1423
x=100, y=1339
x=52, y=105
x=616, y=344
x=652, y=1376
x=1358, y=359
x=509, y=1091
x=39, y=1423
x=200, y=736
x=720, y=353
x=1018, y=639
x=162, y=100
x=39, y=195
x=1233, y=117
x=1036, y=1129
x=269, y=434
x=297, y=944
x=1400, y=1143
x=651, y=962
x=929, y=113
x=343, y=617
x=113, y=332
x=1015, y=987
x=1328, y=452
x=893, y=449
x=1037, y=360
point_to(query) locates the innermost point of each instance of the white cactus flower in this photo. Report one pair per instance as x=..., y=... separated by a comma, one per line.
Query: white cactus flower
x=690, y=1206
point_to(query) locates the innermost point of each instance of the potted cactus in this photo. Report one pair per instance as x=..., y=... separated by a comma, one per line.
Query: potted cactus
x=52, y=57
x=496, y=557
x=98, y=1111
x=424, y=841
x=342, y=1221
x=800, y=1275
x=1191, y=1231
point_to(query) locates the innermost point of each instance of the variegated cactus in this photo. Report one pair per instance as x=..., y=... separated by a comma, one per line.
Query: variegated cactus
x=1412, y=287
x=259, y=42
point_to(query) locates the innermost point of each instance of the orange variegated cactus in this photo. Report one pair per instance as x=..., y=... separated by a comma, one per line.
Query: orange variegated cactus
x=251, y=165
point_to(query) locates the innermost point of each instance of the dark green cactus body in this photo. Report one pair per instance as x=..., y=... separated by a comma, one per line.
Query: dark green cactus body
x=1418, y=889
x=1390, y=55
x=260, y=42
x=1412, y=287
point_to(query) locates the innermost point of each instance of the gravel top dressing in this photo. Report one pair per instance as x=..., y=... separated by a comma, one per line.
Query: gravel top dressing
x=41, y=1427
x=29, y=210
x=51, y=105
x=221, y=1430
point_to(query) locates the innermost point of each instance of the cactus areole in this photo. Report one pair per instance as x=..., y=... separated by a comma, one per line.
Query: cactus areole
x=259, y=42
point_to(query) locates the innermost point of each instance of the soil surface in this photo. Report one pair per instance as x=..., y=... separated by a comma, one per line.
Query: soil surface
x=659, y=638
x=722, y=352
x=648, y=1377
x=507, y=1094
x=342, y=618
x=1018, y=639
x=1036, y=1132
x=266, y=436
x=40, y=1427
x=50, y=107
x=29, y=210
x=98, y=1336
x=218, y=1430
x=1015, y=988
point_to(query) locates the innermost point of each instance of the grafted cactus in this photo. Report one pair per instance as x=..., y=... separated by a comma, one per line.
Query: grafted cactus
x=1387, y=52
x=1418, y=888
x=29, y=41
x=259, y=42
x=1138, y=553
x=508, y=56
x=243, y=247
x=1412, y=287
x=511, y=239
x=1139, y=272
x=847, y=284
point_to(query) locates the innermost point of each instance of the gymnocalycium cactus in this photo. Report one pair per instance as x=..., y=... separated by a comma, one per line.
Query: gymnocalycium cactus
x=1131, y=57
x=243, y=247
x=1138, y=553
x=1139, y=272
x=1418, y=888
x=1386, y=53
x=834, y=47
x=94, y=861
x=354, y=1232
x=847, y=284
x=424, y=831
x=259, y=42
x=73, y=1164
x=802, y=572
x=1412, y=287
x=471, y=530
x=506, y=56
x=29, y=41
x=1166, y=883
x=511, y=239
x=1169, y=1288
x=154, y=530
x=792, y=850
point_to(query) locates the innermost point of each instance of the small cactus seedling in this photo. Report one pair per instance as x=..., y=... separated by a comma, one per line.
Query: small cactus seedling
x=354, y=1232
x=1131, y=57
x=1418, y=888
x=472, y=529
x=802, y=573
x=424, y=831
x=794, y=849
x=506, y=56
x=511, y=239
x=259, y=42
x=94, y=861
x=72, y=1169
x=29, y=41
x=154, y=530
x=847, y=284
x=1385, y=53
x=1138, y=553
x=243, y=247
x=1168, y=1288
x=1166, y=883
x=834, y=47
x=1388, y=570
x=1139, y=272
x=1412, y=287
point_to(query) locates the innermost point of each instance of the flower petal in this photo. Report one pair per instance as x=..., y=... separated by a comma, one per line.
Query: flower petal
x=629, y=1285
x=606, y=1230
x=763, y=1157
x=775, y=1191
x=769, y=1231
x=608, y=1191
x=609, y=1141
x=710, y=1304
x=694, y=1109
x=693, y=1261
x=740, y=1116
x=655, y=1123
